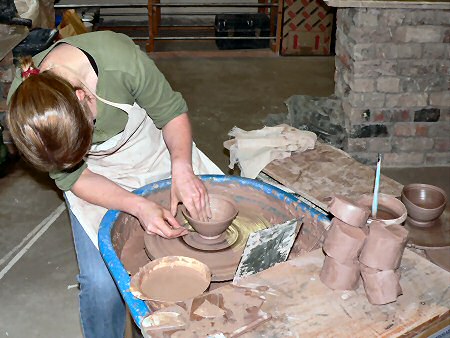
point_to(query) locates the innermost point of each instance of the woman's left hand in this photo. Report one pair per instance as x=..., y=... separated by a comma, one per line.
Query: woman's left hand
x=190, y=190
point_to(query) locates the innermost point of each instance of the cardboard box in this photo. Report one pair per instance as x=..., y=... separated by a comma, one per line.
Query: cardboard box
x=306, y=43
x=307, y=28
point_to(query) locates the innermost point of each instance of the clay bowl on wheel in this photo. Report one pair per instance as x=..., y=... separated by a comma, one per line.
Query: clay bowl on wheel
x=424, y=202
x=223, y=212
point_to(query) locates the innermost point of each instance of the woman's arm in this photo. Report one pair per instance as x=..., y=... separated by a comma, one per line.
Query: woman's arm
x=153, y=218
x=186, y=186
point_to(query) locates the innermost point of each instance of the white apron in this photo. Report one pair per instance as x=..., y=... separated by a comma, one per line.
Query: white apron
x=135, y=157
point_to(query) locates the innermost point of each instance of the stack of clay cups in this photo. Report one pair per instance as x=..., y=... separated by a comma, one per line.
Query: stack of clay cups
x=379, y=261
x=343, y=244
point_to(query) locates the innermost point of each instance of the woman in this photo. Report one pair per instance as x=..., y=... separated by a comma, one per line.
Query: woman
x=95, y=112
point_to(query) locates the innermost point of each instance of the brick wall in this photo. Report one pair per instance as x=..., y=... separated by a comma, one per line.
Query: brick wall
x=393, y=77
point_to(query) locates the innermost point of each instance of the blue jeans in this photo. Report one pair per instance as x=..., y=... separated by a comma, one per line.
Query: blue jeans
x=102, y=309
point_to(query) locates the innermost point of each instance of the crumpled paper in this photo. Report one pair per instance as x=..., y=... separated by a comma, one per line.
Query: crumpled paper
x=254, y=149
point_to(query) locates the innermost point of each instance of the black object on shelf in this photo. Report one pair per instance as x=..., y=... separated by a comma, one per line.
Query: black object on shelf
x=9, y=15
x=242, y=27
x=37, y=40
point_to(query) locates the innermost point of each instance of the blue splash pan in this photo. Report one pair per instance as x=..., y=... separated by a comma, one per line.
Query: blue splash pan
x=291, y=204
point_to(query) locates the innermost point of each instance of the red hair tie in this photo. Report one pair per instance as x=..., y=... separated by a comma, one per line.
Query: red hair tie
x=30, y=71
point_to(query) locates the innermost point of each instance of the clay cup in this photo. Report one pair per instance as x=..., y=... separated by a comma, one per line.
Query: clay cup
x=425, y=203
x=390, y=209
x=347, y=211
x=340, y=276
x=223, y=211
x=381, y=286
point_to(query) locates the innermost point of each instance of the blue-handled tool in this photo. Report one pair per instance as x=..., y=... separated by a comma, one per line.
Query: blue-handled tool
x=376, y=188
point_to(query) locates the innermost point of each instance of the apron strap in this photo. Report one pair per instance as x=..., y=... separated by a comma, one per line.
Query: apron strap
x=122, y=106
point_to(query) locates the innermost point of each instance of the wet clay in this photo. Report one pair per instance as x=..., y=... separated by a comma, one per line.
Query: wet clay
x=382, y=287
x=222, y=262
x=384, y=246
x=258, y=209
x=348, y=211
x=223, y=241
x=343, y=242
x=340, y=276
x=384, y=215
x=172, y=284
x=223, y=211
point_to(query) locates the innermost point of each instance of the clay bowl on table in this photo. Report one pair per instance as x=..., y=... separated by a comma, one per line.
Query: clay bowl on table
x=390, y=209
x=425, y=203
x=223, y=212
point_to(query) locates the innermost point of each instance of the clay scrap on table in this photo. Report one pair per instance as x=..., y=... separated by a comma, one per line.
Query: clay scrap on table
x=319, y=173
x=230, y=310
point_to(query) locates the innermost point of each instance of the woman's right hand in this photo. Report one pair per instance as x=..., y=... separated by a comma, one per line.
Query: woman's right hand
x=155, y=219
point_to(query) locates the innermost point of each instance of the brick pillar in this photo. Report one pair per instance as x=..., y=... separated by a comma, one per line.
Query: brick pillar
x=393, y=77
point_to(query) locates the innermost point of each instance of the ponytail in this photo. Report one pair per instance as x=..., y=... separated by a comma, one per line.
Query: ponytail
x=28, y=67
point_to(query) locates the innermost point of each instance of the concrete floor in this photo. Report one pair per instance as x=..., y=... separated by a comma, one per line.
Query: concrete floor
x=38, y=268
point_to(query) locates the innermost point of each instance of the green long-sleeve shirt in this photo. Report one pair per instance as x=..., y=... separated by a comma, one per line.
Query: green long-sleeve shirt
x=125, y=75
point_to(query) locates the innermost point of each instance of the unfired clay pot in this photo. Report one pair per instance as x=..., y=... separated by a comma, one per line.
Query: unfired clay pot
x=223, y=211
x=343, y=242
x=384, y=246
x=382, y=286
x=348, y=211
x=340, y=276
x=390, y=209
x=424, y=202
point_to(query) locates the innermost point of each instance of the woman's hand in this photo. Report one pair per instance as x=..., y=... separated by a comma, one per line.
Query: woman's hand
x=190, y=190
x=186, y=187
x=157, y=220
x=154, y=218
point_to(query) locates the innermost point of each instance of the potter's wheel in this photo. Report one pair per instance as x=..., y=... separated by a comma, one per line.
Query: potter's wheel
x=436, y=236
x=225, y=240
x=221, y=255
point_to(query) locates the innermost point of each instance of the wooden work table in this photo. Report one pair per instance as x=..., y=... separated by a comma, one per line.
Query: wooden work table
x=301, y=305
x=289, y=300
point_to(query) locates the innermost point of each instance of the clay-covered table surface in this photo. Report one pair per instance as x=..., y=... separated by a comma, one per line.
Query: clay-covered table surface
x=324, y=171
x=301, y=305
